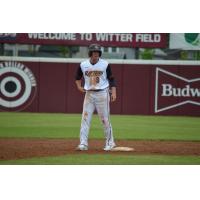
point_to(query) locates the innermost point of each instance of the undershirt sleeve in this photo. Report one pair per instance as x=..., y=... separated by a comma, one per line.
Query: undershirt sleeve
x=110, y=77
x=78, y=74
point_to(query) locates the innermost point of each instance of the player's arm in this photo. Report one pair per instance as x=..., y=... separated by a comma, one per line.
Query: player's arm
x=112, y=83
x=78, y=77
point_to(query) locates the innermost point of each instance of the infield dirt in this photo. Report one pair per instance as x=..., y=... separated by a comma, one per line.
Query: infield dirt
x=11, y=148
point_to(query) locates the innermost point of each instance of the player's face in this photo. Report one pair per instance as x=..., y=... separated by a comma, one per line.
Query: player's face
x=95, y=56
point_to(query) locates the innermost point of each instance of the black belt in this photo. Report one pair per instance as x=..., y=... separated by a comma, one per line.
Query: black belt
x=96, y=90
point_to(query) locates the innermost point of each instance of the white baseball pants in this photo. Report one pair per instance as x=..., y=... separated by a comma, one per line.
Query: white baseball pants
x=99, y=100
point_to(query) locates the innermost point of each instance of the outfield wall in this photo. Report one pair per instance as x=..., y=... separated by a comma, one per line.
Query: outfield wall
x=143, y=87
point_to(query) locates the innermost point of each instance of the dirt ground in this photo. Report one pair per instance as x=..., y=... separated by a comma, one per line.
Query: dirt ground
x=28, y=148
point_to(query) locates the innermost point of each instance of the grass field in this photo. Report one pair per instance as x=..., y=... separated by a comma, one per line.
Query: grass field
x=86, y=159
x=31, y=125
x=125, y=127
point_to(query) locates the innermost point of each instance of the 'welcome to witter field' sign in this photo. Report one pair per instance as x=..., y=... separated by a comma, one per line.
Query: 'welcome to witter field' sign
x=151, y=40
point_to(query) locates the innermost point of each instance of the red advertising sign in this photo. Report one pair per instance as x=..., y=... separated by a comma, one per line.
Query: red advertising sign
x=143, y=40
x=173, y=90
x=18, y=86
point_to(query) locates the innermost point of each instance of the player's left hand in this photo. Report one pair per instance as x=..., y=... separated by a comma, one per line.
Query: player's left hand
x=113, y=94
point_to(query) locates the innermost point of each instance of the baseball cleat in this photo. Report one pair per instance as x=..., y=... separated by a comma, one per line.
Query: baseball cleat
x=82, y=147
x=109, y=147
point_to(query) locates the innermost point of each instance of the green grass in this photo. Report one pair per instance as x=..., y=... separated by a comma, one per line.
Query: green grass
x=31, y=125
x=41, y=125
x=86, y=159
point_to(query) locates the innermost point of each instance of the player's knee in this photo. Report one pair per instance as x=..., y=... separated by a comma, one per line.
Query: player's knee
x=105, y=122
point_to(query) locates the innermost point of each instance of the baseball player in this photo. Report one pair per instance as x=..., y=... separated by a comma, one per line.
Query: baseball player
x=98, y=79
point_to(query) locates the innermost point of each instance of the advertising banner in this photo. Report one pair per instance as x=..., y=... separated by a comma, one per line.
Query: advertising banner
x=185, y=41
x=143, y=40
x=18, y=85
x=174, y=90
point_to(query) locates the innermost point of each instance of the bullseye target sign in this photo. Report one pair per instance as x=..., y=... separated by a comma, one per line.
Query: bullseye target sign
x=17, y=86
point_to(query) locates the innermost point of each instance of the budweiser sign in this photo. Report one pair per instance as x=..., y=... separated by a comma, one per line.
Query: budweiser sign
x=172, y=90
x=169, y=90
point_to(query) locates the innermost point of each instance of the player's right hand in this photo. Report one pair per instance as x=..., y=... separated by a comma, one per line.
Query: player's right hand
x=81, y=89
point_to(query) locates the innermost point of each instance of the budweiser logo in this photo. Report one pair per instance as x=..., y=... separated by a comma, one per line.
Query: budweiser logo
x=172, y=90
x=169, y=90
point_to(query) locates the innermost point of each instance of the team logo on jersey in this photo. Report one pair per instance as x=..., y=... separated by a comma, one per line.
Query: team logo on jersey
x=94, y=77
x=17, y=86
x=93, y=73
x=172, y=90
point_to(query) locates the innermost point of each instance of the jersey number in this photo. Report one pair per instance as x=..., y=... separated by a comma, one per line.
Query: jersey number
x=94, y=80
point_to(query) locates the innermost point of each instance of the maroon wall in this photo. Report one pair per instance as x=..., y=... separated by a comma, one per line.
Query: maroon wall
x=136, y=89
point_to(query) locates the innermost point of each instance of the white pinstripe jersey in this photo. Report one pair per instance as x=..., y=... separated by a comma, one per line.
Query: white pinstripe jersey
x=95, y=75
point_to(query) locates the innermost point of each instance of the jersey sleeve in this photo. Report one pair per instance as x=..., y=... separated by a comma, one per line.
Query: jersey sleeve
x=110, y=77
x=79, y=73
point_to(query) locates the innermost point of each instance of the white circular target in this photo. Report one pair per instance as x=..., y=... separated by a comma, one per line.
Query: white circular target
x=17, y=86
x=10, y=86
